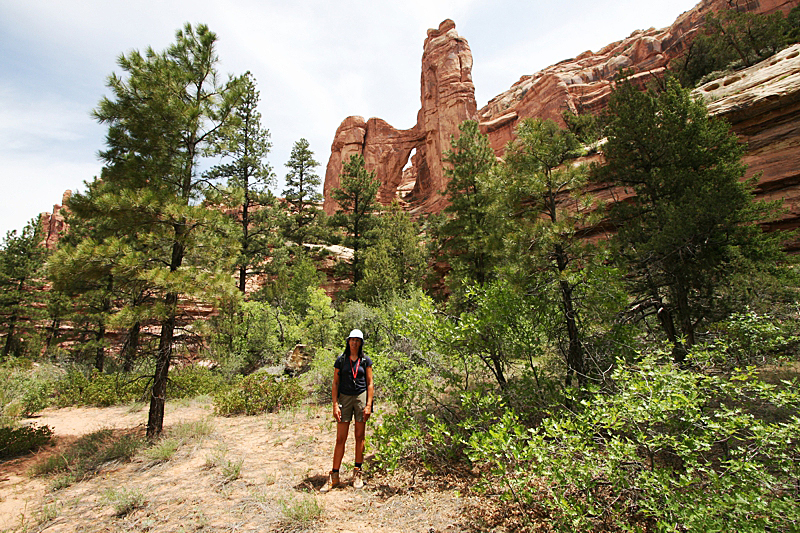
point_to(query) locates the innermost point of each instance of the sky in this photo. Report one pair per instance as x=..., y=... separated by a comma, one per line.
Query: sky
x=316, y=62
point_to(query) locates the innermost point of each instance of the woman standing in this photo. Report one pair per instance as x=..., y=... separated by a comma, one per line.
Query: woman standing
x=353, y=391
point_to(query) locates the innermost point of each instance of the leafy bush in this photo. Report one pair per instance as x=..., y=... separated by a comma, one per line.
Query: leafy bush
x=23, y=439
x=669, y=450
x=26, y=389
x=192, y=381
x=246, y=337
x=320, y=377
x=750, y=339
x=81, y=387
x=257, y=393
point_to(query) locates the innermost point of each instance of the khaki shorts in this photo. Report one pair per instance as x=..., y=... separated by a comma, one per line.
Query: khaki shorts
x=352, y=404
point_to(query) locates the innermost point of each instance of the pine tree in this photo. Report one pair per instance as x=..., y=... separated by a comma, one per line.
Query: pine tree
x=543, y=192
x=97, y=270
x=169, y=110
x=249, y=178
x=396, y=259
x=466, y=235
x=21, y=261
x=356, y=197
x=302, y=190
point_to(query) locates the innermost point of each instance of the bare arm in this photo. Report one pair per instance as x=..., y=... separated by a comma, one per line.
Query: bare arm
x=337, y=412
x=370, y=394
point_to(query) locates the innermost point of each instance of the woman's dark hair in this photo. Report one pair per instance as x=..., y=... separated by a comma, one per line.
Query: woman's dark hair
x=347, y=347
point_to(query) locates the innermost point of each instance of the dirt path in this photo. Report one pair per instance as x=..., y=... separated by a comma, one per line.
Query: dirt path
x=283, y=460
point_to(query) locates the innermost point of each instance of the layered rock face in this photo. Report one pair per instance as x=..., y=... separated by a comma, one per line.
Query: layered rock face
x=447, y=99
x=582, y=84
x=762, y=104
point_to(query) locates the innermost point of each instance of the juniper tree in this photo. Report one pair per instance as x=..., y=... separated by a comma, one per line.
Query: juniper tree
x=692, y=223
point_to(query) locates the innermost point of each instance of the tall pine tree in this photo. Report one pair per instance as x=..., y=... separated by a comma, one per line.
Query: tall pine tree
x=465, y=234
x=249, y=178
x=302, y=190
x=169, y=110
x=356, y=197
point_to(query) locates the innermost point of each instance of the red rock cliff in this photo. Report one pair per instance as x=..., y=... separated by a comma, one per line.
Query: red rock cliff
x=581, y=84
x=447, y=99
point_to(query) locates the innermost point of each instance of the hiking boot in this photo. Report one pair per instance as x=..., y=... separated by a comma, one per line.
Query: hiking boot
x=333, y=482
x=358, y=483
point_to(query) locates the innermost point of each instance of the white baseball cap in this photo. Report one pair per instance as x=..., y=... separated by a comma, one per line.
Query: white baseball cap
x=356, y=333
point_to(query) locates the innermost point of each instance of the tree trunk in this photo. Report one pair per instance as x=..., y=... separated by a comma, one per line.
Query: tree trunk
x=99, y=361
x=245, y=239
x=574, y=351
x=131, y=347
x=667, y=321
x=100, y=353
x=52, y=332
x=498, y=371
x=12, y=323
x=155, y=420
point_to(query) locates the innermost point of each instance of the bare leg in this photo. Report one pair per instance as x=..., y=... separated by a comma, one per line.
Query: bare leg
x=342, y=428
x=361, y=431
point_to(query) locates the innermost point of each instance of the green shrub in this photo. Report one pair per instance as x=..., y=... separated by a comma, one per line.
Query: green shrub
x=26, y=389
x=257, y=393
x=245, y=337
x=232, y=470
x=192, y=429
x=80, y=387
x=163, y=450
x=192, y=381
x=319, y=378
x=125, y=501
x=301, y=511
x=69, y=389
x=750, y=339
x=668, y=450
x=104, y=390
x=23, y=439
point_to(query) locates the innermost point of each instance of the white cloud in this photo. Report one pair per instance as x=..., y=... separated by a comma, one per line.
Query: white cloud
x=316, y=62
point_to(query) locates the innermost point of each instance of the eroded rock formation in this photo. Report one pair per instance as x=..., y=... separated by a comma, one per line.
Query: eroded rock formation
x=53, y=224
x=582, y=84
x=447, y=99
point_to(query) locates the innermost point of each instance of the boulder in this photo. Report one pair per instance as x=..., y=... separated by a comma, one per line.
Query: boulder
x=299, y=360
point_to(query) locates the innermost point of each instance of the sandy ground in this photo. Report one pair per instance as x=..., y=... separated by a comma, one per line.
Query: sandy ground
x=284, y=460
